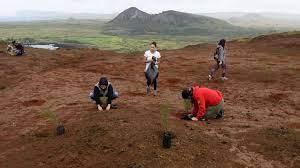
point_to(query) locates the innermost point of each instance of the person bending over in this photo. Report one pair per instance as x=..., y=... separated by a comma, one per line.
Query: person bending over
x=207, y=103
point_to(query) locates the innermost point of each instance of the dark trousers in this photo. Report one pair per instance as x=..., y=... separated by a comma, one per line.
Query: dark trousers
x=216, y=67
x=149, y=81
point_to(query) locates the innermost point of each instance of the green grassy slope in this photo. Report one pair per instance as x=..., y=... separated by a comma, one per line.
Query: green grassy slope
x=90, y=33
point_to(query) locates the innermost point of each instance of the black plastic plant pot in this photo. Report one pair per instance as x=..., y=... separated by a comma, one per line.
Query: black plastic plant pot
x=167, y=140
x=60, y=130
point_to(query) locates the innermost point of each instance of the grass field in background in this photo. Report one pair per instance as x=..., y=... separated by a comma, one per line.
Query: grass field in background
x=89, y=33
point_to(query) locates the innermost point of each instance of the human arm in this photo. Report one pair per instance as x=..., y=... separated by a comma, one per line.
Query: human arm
x=97, y=95
x=109, y=97
x=201, y=107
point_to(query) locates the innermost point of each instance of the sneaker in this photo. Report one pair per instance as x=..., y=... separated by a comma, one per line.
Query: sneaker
x=224, y=78
x=209, y=77
x=148, y=90
x=155, y=92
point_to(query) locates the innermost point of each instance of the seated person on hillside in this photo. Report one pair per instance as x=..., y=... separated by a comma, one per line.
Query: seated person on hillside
x=16, y=49
x=103, y=94
x=207, y=103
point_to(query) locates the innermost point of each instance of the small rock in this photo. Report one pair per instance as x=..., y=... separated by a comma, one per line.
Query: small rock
x=224, y=142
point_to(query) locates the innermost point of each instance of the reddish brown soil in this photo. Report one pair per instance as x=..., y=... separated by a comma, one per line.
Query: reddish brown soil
x=260, y=129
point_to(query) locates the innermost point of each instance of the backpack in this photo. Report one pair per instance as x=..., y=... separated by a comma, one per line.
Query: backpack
x=216, y=53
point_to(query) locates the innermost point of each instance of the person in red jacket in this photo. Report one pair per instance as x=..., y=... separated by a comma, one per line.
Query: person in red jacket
x=208, y=103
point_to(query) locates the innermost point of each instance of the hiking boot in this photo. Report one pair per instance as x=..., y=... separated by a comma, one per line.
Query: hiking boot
x=209, y=77
x=224, y=78
x=220, y=114
x=155, y=92
x=148, y=90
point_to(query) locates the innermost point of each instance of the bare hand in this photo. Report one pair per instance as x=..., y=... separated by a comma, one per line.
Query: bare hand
x=220, y=63
x=108, y=107
x=100, y=108
x=195, y=119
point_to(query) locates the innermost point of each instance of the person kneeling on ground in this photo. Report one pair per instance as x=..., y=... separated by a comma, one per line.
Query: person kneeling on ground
x=16, y=49
x=103, y=94
x=208, y=103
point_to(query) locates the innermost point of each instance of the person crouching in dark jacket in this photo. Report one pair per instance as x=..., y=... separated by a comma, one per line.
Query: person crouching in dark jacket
x=103, y=94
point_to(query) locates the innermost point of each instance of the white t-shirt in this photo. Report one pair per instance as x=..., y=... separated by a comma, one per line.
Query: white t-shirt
x=149, y=56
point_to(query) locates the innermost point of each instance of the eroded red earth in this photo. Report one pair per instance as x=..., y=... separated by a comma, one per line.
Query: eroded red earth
x=260, y=129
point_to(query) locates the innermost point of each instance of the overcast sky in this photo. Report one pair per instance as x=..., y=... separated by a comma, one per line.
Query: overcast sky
x=9, y=7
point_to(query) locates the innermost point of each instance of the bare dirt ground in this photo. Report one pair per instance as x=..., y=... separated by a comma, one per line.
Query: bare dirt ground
x=261, y=127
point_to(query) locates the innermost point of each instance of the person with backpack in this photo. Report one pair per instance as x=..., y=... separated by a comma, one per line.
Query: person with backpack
x=16, y=49
x=151, y=71
x=207, y=103
x=103, y=94
x=219, y=57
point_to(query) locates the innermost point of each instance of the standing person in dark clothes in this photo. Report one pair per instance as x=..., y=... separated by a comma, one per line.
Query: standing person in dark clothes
x=219, y=57
x=103, y=94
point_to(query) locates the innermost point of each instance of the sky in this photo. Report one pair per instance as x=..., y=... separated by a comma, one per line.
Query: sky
x=10, y=7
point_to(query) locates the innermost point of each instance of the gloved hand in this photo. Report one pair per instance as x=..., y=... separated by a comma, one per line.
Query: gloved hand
x=202, y=119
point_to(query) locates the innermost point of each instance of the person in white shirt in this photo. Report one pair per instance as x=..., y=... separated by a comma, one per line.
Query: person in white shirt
x=152, y=57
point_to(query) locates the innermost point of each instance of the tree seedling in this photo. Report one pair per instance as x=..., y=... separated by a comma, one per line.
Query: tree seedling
x=52, y=117
x=187, y=105
x=165, y=112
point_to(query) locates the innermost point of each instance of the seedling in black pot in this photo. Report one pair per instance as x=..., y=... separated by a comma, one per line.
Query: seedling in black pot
x=52, y=117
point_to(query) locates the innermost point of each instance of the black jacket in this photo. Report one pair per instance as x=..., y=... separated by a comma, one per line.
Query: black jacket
x=19, y=46
x=98, y=94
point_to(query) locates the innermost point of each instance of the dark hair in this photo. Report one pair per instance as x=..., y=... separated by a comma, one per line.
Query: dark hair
x=103, y=81
x=13, y=42
x=222, y=43
x=186, y=93
x=154, y=43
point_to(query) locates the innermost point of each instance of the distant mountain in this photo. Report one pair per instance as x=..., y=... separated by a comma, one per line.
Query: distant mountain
x=223, y=15
x=260, y=20
x=136, y=22
x=37, y=16
x=131, y=15
x=251, y=20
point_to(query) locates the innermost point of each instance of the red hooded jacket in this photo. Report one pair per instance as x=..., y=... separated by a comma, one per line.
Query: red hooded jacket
x=204, y=98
